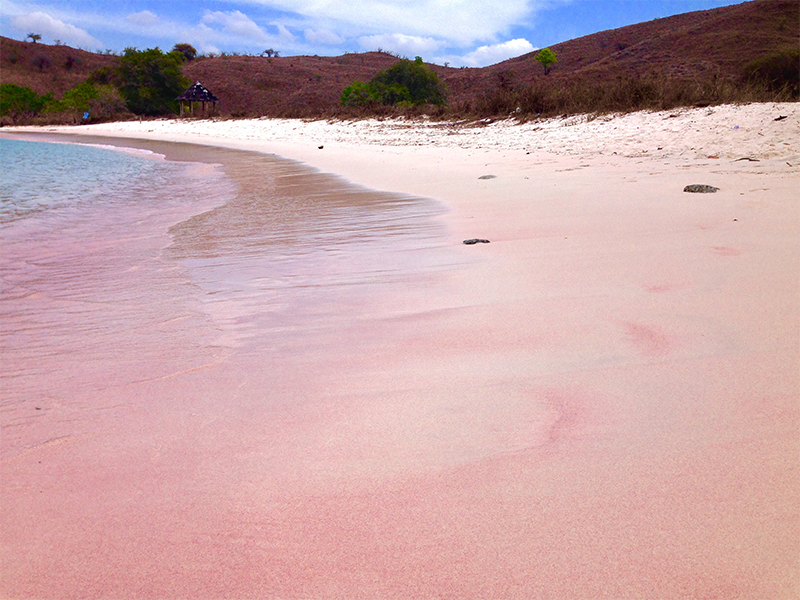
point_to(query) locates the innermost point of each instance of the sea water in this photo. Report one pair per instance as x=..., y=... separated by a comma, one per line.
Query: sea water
x=138, y=262
x=59, y=178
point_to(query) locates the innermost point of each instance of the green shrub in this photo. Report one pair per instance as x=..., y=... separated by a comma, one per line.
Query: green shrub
x=407, y=83
x=17, y=101
x=359, y=94
x=80, y=97
x=102, y=101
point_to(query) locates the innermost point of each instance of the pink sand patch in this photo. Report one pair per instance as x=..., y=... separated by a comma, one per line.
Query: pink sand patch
x=726, y=251
x=649, y=339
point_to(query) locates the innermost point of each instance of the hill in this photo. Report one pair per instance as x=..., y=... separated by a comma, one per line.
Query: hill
x=47, y=69
x=692, y=47
x=692, y=58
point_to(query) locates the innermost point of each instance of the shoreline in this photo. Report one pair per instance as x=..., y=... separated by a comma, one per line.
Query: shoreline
x=442, y=160
x=600, y=403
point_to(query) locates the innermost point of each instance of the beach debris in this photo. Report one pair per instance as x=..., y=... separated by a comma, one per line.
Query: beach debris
x=750, y=158
x=700, y=188
x=476, y=241
x=320, y=147
x=781, y=118
x=488, y=177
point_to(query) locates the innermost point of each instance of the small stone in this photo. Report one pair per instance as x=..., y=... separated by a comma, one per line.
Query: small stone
x=475, y=241
x=488, y=177
x=698, y=188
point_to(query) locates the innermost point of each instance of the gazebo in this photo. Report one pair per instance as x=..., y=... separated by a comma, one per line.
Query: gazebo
x=197, y=93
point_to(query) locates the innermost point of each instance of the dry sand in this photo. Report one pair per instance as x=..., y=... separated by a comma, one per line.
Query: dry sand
x=600, y=403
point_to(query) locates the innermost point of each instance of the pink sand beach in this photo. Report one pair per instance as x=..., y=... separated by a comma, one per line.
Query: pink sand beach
x=602, y=402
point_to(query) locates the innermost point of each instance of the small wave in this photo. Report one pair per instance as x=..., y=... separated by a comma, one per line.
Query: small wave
x=132, y=151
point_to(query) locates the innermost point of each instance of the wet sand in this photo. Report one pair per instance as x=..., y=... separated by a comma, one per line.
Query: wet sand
x=600, y=403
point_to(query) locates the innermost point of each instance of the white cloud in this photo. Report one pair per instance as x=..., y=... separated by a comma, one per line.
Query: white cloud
x=322, y=36
x=236, y=23
x=50, y=27
x=143, y=19
x=238, y=28
x=495, y=53
x=459, y=22
x=437, y=30
x=284, y=34
x=407, y=45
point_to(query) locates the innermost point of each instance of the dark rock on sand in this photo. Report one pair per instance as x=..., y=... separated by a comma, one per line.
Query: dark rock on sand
x=698, y=188
x=488, y=177
x=475, y=241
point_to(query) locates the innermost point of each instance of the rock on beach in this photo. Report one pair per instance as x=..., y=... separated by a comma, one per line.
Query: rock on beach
x=700, y=188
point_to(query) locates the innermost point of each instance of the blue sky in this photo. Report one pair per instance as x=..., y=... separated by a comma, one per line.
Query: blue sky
x=459, y=32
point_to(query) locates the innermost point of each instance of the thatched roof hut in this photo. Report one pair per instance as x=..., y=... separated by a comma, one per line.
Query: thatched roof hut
x=197, y=93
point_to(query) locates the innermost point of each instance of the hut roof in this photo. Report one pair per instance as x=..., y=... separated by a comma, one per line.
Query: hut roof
x=198, y=93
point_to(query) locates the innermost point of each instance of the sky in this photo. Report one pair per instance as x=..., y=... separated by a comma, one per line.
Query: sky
x=472, y=33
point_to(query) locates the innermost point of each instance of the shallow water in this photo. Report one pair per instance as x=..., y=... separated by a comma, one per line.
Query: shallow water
x=132, y=268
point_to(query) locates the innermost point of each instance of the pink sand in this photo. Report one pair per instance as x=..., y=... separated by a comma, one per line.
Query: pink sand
x=600, y=403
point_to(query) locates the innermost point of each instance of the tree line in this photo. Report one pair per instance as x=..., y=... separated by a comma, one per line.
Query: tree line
x=143, y=82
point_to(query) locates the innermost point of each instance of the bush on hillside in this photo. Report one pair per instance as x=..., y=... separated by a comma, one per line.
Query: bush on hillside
x=17, y=101
x=102, y=101
x=360, y=94
x=407, y=82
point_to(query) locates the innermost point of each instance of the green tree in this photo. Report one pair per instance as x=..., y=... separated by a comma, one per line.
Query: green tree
x=150, y=80
x=405, y=82
x=17, y=101
x=35, y=37
x=80, y=97
x=188, y=51
x=547, y=57
x=409, y=81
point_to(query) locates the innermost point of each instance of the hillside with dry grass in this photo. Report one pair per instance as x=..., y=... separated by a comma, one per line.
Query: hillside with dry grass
x=705, y=50
x=693, y=58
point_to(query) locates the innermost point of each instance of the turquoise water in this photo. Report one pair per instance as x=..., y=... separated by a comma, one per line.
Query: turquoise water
x=39, y=177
